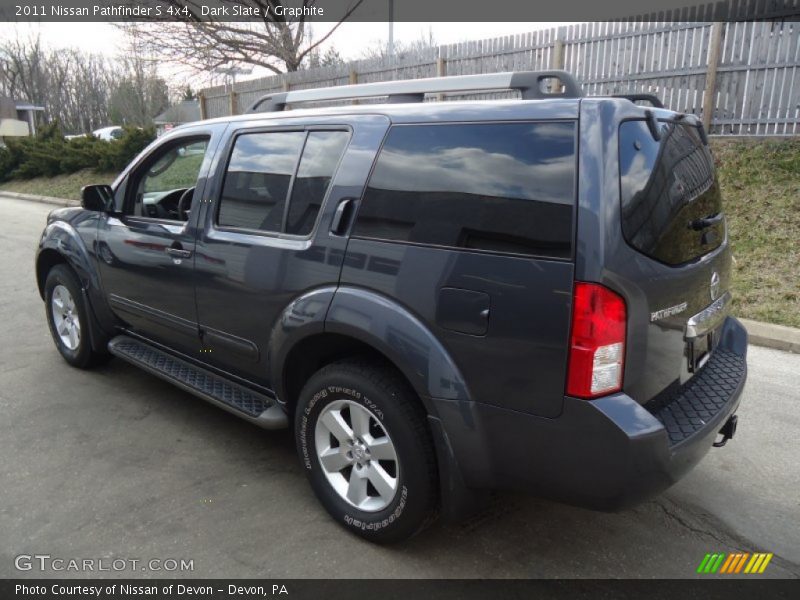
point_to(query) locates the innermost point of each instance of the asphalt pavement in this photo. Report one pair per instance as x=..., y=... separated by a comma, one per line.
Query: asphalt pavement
x=115, y=464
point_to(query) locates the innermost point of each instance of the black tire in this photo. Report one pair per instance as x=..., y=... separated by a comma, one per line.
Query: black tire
x=82, y=356
x=396, y=408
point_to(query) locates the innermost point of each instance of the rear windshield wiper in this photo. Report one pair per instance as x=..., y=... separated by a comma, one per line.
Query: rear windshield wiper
x=706, y=222
x=652, y=125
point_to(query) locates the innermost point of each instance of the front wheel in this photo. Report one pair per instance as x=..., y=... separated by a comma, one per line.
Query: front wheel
x=362, y=435
x=68, y=318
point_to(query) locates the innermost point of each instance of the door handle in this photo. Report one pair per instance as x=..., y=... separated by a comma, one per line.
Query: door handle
x=339, y=223
x=179, y=252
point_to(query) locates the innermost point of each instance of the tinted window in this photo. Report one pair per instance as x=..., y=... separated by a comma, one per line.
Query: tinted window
x=666, y=187
x=500, y=187
x=257, y=181
x=320, y=157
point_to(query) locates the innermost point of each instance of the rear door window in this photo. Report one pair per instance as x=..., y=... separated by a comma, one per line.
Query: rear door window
x=257, y=181
x=671, y=204
x=497, y=187
x=268, y=169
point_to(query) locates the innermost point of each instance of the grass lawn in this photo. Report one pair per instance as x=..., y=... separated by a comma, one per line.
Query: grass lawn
x=61, y=186
x=761, y=188
x=761, y=193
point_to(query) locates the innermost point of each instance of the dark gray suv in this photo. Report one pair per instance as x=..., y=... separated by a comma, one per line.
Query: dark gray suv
x=442, y=298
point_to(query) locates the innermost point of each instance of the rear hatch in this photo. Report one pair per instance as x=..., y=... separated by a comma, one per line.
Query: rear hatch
x=675, y=261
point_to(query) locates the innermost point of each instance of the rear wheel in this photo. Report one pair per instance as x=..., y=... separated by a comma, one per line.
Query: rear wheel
x=362, y=435
x=67, y=318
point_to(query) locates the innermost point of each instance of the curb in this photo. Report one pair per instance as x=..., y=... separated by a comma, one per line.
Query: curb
x=778, y=337
x=41, y=199
x=768, y=335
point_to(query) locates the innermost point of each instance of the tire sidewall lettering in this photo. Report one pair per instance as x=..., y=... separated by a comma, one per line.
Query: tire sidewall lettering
x=365, y=525
x=304, y=421
x=355, y=395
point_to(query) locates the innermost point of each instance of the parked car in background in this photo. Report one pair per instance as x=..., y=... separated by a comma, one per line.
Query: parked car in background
x=441, y=298
x=109, y=133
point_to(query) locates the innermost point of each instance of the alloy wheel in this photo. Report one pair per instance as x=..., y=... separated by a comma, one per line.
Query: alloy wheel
x=357, y=455
x=65, y=317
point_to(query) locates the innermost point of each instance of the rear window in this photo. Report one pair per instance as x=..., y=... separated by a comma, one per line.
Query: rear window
x=498, y=187
x=671, y=204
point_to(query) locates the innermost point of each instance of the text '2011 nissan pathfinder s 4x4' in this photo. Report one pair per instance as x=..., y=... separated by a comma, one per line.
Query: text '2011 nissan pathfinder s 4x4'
x=441, y=298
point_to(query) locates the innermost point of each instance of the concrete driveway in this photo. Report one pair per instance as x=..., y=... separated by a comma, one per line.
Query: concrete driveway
x=114, y=463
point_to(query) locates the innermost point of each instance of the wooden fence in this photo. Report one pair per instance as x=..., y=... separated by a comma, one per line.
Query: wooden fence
x=740, y=77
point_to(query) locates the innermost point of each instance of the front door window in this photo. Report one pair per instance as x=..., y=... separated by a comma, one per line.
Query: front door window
x=166, y=187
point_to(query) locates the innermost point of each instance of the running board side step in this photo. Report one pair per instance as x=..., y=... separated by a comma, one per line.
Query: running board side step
x=237, y=399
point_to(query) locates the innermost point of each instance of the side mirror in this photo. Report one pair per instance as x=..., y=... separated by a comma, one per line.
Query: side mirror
x=97, y=197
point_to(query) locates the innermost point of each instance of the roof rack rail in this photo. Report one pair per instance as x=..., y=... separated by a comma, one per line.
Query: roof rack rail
x=654, y=101
x=529, y=83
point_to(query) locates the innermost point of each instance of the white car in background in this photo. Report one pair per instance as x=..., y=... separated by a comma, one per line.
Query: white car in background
x=104, y=133
x=108, y=133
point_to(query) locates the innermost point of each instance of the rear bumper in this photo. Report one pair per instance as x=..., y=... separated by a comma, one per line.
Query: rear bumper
x=605, y=454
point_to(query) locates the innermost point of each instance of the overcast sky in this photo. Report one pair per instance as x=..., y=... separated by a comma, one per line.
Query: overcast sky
x=350, y=39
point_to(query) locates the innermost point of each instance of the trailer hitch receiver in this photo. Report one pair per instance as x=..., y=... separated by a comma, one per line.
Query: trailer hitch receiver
x=727, y=432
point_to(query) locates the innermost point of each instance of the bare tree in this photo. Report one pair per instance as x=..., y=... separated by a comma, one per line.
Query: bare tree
x=23, y=65
x=379, y=50
x=277, y=43
x=81, y=91
x=139, y=93
x=71, y=86
x=329, y=58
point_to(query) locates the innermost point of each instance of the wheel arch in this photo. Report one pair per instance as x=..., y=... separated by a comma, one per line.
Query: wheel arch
x=357, y=321
x=47, y=259
x=315, y=351
x=61, y=244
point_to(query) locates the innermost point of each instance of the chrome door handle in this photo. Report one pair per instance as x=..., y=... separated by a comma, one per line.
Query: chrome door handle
x=339, y=223
x=179, y=252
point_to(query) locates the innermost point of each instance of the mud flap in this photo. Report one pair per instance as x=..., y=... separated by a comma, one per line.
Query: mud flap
x=457, y=500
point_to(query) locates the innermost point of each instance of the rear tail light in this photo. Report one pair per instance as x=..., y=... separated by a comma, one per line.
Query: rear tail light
x=597, y=343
